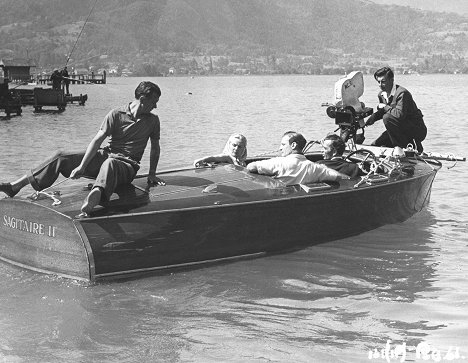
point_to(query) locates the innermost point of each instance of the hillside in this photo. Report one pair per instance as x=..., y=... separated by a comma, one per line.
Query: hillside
x=163, y=32
x=450, y=6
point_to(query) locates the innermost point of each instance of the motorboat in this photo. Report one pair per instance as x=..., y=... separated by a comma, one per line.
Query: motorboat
x=205, y=215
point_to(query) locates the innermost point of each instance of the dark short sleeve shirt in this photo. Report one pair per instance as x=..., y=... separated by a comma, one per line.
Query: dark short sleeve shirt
x=129, y=136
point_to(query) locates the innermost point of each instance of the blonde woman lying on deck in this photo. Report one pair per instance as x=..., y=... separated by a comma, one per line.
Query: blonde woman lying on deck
x=235, y=152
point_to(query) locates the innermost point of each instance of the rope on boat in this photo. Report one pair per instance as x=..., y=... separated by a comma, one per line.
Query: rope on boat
x=53, y=195
x=435, y=157
x=37, y=195
x=424, y=201
x=455, y=163
x=58, y=183
x=374, y=167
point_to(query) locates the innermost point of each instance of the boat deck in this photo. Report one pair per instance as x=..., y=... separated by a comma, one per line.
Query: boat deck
x=190, y=188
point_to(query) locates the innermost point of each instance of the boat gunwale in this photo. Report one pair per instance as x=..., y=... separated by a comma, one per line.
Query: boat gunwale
x=316, y=194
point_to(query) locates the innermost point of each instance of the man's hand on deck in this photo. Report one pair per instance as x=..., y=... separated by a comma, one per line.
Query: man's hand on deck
x=77, y=173
x=154, y=180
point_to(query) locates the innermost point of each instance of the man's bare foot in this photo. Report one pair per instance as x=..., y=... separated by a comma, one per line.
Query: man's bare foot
x=92, y=200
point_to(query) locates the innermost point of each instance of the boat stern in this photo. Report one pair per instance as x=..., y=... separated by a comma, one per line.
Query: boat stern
x=42, y=239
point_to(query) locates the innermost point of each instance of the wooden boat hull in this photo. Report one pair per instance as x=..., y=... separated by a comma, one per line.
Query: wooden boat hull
x=188, y=225
x=197, y=235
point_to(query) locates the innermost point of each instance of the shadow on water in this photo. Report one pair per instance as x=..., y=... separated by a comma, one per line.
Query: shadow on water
x=390, y=263
x=351, y=294
x=327, y=294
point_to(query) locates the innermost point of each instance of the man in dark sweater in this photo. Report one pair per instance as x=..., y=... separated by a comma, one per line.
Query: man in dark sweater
x=333, y=148
x=403, y=120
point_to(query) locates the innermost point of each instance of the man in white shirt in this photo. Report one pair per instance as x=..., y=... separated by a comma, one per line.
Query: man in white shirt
x=292, y=167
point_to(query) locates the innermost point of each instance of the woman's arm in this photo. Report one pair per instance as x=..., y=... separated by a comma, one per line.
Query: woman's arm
x=213, y=159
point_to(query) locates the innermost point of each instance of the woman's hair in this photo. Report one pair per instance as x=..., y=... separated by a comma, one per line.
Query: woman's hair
x=243, y=140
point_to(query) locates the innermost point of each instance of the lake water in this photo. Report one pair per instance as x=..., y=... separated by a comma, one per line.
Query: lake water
x=405, y=284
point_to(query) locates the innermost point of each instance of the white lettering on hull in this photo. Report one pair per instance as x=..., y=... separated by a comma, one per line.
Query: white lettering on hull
x=29, y=226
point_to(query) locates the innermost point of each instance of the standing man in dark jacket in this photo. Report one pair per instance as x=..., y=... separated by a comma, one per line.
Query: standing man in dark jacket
x=402, y=118
x=65, y=80
x=56, y=79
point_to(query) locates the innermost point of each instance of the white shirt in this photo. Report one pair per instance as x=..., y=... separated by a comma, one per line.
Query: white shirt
x=392, y=93
x=296, y=169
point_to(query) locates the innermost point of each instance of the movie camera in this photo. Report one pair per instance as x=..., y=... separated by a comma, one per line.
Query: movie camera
x=349, y=113
x=349, y=121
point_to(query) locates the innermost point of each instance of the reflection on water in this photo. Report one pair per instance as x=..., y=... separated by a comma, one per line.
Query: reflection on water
x=327, y=303
x=323, y=296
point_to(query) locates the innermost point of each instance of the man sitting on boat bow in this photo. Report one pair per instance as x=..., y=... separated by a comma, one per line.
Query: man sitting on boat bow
x=128, y=128
x=292, y=167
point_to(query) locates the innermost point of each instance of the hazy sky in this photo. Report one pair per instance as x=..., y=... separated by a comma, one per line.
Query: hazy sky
x=455, y=6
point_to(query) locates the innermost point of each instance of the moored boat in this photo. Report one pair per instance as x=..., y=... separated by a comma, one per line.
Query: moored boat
x=204, y=215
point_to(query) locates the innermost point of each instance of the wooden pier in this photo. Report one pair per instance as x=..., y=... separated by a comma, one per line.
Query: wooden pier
x=75, y=78
x=39, y=97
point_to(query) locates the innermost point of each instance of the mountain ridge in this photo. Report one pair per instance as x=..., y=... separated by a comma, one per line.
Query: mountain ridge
x=46, y=30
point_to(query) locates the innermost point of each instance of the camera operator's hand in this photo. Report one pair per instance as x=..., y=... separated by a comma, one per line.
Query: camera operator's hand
x=370, y=121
